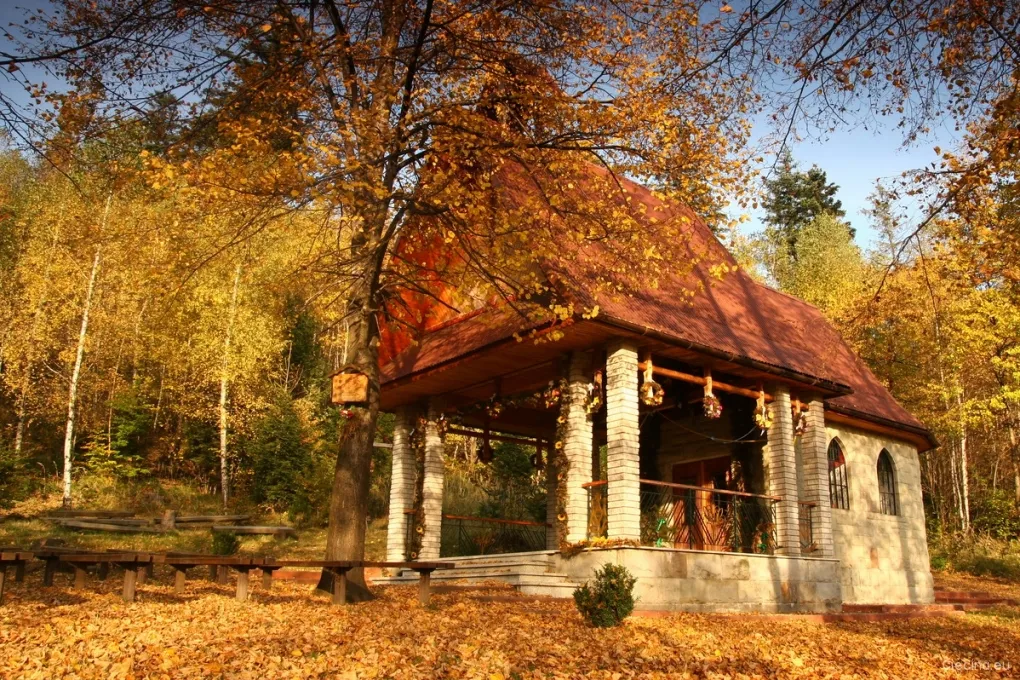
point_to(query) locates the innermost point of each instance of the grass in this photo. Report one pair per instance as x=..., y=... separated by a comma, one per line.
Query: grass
x=24, y=527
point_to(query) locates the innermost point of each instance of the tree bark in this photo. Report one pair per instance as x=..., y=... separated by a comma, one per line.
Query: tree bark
x=224, y=389
x=348, y=506
x=72, y=397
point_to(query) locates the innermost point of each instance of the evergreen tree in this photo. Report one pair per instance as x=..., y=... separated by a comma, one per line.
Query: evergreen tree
x=795, y=198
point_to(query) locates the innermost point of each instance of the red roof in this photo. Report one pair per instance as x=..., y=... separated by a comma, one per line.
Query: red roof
x=729, y=313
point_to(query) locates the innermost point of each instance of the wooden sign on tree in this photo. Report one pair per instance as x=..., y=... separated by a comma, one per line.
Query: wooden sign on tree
x=350, y=386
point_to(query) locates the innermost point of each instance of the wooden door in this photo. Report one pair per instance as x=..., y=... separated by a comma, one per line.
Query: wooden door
x=701, y=521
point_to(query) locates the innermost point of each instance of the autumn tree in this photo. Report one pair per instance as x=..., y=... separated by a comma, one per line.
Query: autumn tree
x=399, y=120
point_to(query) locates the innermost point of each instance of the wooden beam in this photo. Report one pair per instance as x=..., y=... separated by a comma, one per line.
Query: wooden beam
x=494, y=437
x=716, y=385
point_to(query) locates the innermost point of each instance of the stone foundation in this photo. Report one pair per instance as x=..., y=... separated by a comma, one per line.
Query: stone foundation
x=688, y=580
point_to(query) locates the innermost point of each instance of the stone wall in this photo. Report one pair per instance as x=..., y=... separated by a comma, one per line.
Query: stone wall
x=712, y=581
x=884, y=558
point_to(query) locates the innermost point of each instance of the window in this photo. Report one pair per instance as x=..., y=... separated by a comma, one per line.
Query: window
x=887, y=484
x=839, y=490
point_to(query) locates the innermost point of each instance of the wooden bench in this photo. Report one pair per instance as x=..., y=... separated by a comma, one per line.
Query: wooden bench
x=242, y=565
x=134, y=564
x=339, y=569
x=16, y=559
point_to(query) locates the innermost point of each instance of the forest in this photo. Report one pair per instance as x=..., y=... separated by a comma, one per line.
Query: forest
x=192, y=238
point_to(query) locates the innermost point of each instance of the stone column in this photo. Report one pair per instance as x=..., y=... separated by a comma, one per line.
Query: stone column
x=623, y=433
x=815, y=448
x=401, y=486
x=432, y=488
x=552, y=539
x=577, y=447
x=781, y=473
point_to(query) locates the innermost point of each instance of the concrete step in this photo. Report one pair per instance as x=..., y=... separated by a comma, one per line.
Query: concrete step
x=897, y=608
x=845, y=617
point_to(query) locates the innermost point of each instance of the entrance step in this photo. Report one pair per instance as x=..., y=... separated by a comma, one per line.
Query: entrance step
x=972, y=598
x=528, y=573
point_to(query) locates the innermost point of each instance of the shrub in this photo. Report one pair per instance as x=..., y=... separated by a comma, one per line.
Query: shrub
x=939, y=562
x=609, y=600
x=225, y=543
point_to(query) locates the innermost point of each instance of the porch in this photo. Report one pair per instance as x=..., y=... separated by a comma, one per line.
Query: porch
x=681, y=470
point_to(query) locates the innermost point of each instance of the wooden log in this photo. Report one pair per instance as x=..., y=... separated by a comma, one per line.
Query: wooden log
x=180, y=574
x=80, y=572
x=104, y=571
x=424, y=585
x=91, y=513
x=142, y=573
x=3, y=580
x=242, y=585
x=169, y=521
x=19, y=571
x=48, y=571
x=221, y=576
x=213, y=570
x=106, y=526
x=267, y=579
x=130, y=578
x=187, y=519
x=260, y=530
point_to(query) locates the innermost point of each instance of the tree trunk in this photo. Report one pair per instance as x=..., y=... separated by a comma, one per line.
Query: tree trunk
x=348, y=506
x=72, y=397
x=964, y=481
x=19, y=431
x=224, y=388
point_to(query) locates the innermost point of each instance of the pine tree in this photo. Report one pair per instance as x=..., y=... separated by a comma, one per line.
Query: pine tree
x=795, y=198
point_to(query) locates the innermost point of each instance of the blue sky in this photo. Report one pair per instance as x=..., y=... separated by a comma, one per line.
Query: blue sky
x=853, y=158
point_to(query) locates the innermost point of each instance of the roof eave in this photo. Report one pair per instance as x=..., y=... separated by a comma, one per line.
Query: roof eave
x=821, y=384
x=920, y=432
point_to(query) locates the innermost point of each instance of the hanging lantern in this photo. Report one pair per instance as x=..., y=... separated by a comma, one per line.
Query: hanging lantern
x=537, y=461
x=710, y=403
x=651, y=392
x=762, y=412
x=442, y=425
x=485, y=455
x=800, y=423
x=594, y=399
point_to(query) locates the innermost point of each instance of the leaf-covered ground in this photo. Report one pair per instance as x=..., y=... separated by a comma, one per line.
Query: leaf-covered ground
x=289, y=632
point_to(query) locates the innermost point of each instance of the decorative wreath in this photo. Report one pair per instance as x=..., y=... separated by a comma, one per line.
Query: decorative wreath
x=762, y=412
x=494, y=408
x=710, y=403
x=552, y=394
x=651, y=392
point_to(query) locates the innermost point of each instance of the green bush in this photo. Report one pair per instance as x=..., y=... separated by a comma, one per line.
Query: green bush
x=995, y=515
x=609, y=600
x=939, y=562
x=225, y=543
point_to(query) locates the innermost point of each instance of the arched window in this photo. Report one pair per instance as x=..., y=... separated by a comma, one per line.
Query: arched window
x=839, y=490
x=887, y=484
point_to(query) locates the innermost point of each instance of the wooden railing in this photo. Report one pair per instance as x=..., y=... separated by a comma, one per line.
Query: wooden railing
x=463, y=535
x=694, y=518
